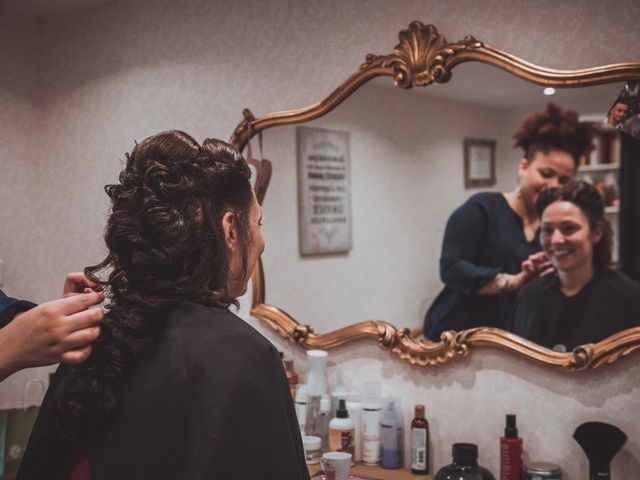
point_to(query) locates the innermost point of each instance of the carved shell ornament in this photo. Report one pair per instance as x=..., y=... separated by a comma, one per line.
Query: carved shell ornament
x=423, y=57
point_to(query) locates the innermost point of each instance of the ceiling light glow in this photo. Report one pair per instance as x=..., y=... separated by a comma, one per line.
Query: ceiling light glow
x=549, y=91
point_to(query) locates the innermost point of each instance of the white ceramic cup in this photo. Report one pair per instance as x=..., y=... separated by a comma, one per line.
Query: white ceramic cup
x=336, y=465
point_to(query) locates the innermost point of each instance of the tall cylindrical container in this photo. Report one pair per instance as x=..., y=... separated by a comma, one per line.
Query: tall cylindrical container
x=316, y=377
x=300, y=404
x=354, y=407
x=390, y=433
x=371, y=413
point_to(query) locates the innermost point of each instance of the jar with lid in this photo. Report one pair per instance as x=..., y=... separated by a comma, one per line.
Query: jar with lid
x=542, y=471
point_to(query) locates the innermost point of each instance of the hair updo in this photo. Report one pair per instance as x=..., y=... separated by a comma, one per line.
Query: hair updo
x=591, y=203
x=554, y=129
x=166, y=244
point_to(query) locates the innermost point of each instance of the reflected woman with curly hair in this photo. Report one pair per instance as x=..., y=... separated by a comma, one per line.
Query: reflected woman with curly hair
x=177, y=386
x=490, y=248
x=587, y=299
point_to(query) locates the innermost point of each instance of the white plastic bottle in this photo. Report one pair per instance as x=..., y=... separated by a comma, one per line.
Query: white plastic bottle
x=317, y=377
x=354, y=407
x=341, y=431
x=371, y=409
x=301, y=407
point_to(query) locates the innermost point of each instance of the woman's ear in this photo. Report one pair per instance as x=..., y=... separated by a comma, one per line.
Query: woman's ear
x=523, y=165
x=230, y=228
x=596, y=234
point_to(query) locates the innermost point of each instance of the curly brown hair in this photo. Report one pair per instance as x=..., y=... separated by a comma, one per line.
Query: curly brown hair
x=554, y=129
x=591, y=203
x=166, y=245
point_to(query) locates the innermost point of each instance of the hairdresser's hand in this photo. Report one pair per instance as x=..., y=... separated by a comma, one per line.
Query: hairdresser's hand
x=535, y=265
x=538, y=265
x=77, y=282
x=57, y=331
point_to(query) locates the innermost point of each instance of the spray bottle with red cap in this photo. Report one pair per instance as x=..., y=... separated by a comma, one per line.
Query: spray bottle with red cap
x=510, y=451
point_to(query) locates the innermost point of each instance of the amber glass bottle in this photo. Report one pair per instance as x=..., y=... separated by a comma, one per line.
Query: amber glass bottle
x=419, y=442
x=292, y=376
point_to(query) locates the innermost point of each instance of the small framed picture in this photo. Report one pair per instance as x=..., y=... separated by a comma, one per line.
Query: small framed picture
x=479, y=163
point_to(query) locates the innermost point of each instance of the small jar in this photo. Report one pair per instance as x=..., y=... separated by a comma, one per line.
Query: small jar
x=542, y=471
x=312, y=450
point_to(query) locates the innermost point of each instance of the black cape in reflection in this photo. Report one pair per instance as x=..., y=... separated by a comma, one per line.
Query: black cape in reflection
x=608, y=304
x=212, y=401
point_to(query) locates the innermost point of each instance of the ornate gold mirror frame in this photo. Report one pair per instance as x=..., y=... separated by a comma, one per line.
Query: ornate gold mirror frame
x=422, y=57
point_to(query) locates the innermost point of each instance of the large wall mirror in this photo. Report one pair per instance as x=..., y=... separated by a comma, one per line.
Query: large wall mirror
x=406, y=177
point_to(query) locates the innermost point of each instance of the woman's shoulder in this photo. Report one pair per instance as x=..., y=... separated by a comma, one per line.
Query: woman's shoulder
x=619, y=283
x=539, y=286
x=201, y=332
x=483, y=203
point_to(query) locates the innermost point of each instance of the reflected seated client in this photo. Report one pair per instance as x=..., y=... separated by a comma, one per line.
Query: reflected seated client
x=586, y=300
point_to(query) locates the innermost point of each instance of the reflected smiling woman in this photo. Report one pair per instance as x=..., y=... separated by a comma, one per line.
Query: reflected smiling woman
x=586, y=300
x=490, y=248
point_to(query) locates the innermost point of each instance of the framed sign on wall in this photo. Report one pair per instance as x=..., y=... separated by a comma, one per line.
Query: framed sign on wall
x=324, y=197
x=479, y=163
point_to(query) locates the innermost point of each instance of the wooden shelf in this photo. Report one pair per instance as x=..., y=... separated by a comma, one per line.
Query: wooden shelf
x=377, y=473
x=599, y=167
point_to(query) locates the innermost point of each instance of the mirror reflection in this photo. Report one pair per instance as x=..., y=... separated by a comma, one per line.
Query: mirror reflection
x=406, y=178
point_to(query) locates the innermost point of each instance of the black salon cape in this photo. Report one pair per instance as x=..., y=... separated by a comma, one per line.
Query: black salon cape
x=212, y=402
x=483, y=237
x=608, y=304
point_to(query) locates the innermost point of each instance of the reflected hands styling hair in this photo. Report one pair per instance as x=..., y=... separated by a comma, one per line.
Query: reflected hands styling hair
x=554, y=129
x=166, y=244
x=591, y=203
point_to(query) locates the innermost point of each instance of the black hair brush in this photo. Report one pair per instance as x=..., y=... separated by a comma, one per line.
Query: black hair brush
x=600, y=442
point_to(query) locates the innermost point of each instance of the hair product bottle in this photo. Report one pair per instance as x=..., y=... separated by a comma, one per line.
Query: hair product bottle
x=323, y=421
x=338, y=392
x=464, y=465
x=341, y=431
x=317, y=378
x=292, y=376
x=510, y=451
x=390, y=434
x=371, y=408
x=419, y=442
x=300, y=404
x=354, y=407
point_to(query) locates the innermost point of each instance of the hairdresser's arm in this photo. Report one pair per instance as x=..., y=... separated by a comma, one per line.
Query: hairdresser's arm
x=534, y=266
x=461, y=246
x=57, y=331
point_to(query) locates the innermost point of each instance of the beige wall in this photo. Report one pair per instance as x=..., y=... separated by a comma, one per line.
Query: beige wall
x=77, y=90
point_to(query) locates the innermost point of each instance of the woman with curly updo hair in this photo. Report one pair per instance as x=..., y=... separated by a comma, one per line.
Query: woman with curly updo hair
x=586, y=300
x=177, y=386
x=490, y=248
